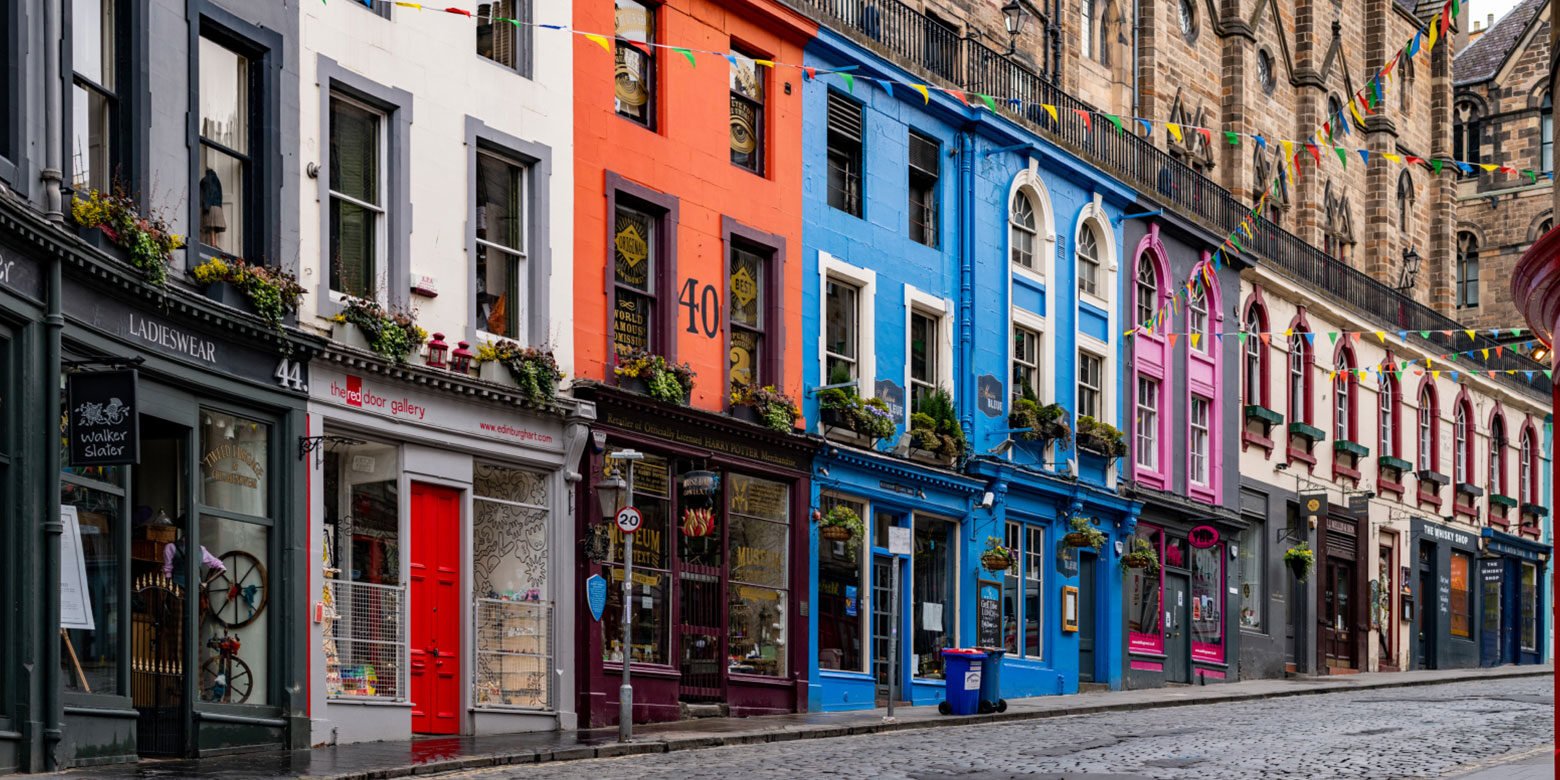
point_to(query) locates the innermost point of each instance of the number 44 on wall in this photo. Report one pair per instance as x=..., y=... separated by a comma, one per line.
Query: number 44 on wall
x=289, y=375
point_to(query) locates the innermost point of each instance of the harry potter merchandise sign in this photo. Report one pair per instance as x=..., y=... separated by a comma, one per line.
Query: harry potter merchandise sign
x=101, y=421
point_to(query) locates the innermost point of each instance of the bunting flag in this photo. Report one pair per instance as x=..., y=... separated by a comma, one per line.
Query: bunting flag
x=926, y=96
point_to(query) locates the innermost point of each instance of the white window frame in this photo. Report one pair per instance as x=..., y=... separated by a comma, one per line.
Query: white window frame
x=1343, y=402
x=1015, y=228
x=1038, y=364
x=1460, y=462
x=381, y=211
x=1099, y=391
x=917, y=302
x=1525, y=458
x=1150, y=408
x=865, y=282
x=1045, y=225
x=1497, y=456
x=1199, y=456
x=1093, y=217
x=522, y=269
x=1252, y=360
x=1425, y=458
x=1296, y=383
x=1386, y=424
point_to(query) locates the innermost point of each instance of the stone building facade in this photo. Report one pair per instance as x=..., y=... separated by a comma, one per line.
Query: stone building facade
x=1502, y=111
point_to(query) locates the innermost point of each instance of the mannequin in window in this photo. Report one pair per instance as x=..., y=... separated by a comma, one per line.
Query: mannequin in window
x=174, y=552
x=212, y=221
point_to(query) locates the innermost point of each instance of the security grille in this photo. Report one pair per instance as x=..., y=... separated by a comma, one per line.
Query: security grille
x=514, y=651
x=365, y=641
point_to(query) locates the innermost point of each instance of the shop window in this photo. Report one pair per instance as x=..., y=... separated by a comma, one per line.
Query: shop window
x=842, y=327
x=364, y=634
x=1034, y=594
x=1091, y=385
x=1144, y=615
x=925, y=167
x=357, y=199
x=1026, y=363
x=234, y=467
x=747, y=112
x=1013, y=539
x=652, y=578
x=509, y=568
x=502, y=294
x=844, y=153
x=97, y=145
x=1147, y=438
x=90, y=660
x=1529, y=608
x=1208, y=602
x=229, y=105
x=635, y=80
x=747, y=288
x=1250, y=576
x=503, y=32
x=842, y=627
x=1462, y=595
x=636, y=260
x=934, y=609
x=758, y=513
x=1382, y=614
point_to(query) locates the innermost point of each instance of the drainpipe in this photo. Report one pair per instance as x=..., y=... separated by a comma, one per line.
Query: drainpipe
x=1137, y=28
x=966, y=378
x=54, y=323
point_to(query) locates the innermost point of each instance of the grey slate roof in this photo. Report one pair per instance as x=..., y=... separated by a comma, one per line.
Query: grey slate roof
x=1482, y=59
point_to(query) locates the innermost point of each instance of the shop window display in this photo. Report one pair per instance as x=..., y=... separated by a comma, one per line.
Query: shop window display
x=1207, y=603
x=90, y=659
x=1462, y=595
x=1021, y=591
x=1252, y=596
x=651, y=572
x=934, y=610
x=1144, y=616
x=509, y=568
x=364, y=631
x=759, y=517
x=841, y=587
x=1529, y=608
x=235, y=559
x=1012, y=538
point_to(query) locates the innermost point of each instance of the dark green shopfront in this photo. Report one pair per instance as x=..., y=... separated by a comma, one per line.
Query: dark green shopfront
x=107, y=655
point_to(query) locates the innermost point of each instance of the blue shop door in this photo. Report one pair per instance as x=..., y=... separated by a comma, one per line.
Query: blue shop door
x=1490, y=634
x=1511, y=613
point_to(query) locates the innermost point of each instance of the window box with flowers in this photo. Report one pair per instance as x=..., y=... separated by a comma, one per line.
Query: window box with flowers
x=650, y=374
x=534, y=369
x=846, y=415
x=935, y=429
x=391, y=335
x=1100, y=438
x=110, y=219
x=266, y=291
x=1045, y=423
x=766, y=406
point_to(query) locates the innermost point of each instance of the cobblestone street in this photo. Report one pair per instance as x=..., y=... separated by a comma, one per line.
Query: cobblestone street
x=1432, y=731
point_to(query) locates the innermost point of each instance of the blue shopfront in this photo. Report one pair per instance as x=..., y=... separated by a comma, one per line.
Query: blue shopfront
x=856, y=600
x=1511, y=599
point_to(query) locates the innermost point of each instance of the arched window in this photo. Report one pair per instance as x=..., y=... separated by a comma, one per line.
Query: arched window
x=1088, y=260
x=1465, y=134
x=1429, y=440
x=1255, y=363
x=1343, y=397
x=1021, y=230
x=1338, y=231
x=1147, y=289
x=1197, y=320
x=1387, y=401
x=1086, y=28
x=1497, y=483
x=1467, y=270
x=1299, y=379
x=1528, y=462
x=1546, y=135
x=1405, y=200
x=1462, y=443
x=1405, y=84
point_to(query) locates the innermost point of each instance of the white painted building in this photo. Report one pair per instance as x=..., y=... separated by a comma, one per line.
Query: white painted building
x=437, y=152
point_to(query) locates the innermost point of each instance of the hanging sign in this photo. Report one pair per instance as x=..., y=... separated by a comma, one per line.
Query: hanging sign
x=75, y=599
x=892, y=394
x=596, y=595
x=103, y=426
x=1203, y=536
x=991, y=397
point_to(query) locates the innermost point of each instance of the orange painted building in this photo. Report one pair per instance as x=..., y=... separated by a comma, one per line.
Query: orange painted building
x=688, y=241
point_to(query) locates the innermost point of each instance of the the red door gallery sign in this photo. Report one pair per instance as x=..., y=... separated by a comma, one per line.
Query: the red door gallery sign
x=1203, y=536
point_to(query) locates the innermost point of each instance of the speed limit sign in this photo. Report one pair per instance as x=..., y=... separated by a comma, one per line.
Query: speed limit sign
x=628, y=519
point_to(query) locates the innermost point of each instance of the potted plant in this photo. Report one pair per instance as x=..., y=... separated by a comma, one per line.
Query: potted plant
x=1084, y=534
x=836, y=407
x=534, y=369
x=655, y=376
x=843, y=409
x=766, y=405
x=267, y=291
x=935, y=428
x=1045, y=423
x=1100, y=438
x=840, y=524
x=147, y=240
x=1142, y=556
x=393, y=336
x=1300, y=558
x=997, y=558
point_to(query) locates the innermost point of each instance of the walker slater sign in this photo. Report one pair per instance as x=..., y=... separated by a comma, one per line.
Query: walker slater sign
x=102, y=420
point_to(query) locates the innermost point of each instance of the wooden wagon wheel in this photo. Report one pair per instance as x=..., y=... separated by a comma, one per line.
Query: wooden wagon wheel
x=234, y=688
x=238, y=595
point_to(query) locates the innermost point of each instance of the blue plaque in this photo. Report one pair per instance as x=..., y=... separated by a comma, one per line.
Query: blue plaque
x=596, y=595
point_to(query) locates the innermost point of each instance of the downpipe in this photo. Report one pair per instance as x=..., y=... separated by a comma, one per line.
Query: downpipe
x=966, y=377
x=53, y=325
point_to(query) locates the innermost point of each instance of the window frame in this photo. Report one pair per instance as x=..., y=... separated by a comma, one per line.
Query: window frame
x=760, y=128
x=127, y=158
x=1496, y=457
x=1151, y=361
x=864, y=280
x=1255, y=355
x=1097, y=389
x=772, y=250
x=1389, y=413
x=524, y=42
x=1088, y=286
x=1015, y=227
x=396, y=106
x=1463, y=446
x=918, y=303
x=663, y=210
x=931, y=206
x=1428, y=429
x=13, y=164
x=1345, y=409
x=1018, y=363
x=828, y=499
x=855, y=194
x=1546, y=135
x=1528, y=464
x=652, y=74
x=1194, y=458
x=536, y=160
x=1466, y=290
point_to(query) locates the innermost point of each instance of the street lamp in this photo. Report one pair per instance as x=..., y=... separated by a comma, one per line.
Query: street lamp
x=613, y=493
x=1410, y=270
x=1013, y=17
x=610, y=493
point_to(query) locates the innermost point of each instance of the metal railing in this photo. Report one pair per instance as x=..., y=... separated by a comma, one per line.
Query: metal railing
x=514, y=655
x=923, y=44
x=365, y=641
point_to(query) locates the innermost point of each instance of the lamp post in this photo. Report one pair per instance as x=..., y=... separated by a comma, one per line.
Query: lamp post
x=614, y=493
x=1013, y=18
x=1410, y=270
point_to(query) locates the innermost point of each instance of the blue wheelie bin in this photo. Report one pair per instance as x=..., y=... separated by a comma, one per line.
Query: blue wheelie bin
x=991, y=680
x=962, y=671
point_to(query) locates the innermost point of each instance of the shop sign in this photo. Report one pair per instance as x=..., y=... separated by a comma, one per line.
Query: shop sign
x=892, y=394
x=722, y=442
x=1511, y=550
x=988, y=614
x=1313, y=503
x=1203, y=536
x=355, y=392
x=989, y=395
x=20, y=275
x=1446, y=534
x=222, y=463
x=596, y=595
x=898, y=487
x=103, y=426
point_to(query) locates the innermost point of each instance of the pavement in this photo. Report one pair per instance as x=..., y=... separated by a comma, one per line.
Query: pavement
x=1538, y=765
x=1083, y=733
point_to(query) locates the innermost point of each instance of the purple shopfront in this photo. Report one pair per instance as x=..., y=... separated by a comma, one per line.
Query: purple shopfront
x=719, y=612
x=1179, y=620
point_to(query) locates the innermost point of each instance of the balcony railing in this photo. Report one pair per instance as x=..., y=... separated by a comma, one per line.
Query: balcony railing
x=921, y=43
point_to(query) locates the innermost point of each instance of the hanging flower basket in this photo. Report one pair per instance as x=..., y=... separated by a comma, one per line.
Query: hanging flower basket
x=1084, y=534
x=834, y=533
x=1300, y=559
x=1142, y=556
x=996, y=562
x=839, y=524
x=1076, y=539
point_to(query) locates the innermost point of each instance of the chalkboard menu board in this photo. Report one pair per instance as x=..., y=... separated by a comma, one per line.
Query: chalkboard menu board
x=988, y=614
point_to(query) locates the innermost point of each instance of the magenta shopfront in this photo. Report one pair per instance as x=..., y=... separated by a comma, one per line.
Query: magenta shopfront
x=1179, y=623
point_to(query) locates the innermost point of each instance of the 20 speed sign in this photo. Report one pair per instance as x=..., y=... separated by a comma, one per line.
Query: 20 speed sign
x=628, y=519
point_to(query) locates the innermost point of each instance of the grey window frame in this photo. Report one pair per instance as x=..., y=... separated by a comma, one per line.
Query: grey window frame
x=854, y=195
x=396, y=104
x=129, y=157
x=13, y=164
x=536, y=158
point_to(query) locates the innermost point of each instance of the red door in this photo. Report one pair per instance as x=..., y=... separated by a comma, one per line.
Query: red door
x=435, y=603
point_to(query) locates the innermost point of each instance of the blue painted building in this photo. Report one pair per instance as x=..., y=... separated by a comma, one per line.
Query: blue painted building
x=942, y=255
